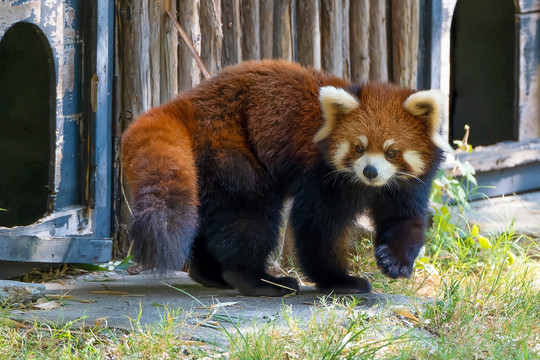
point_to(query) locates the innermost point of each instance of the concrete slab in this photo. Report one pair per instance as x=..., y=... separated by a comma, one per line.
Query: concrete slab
x=497, y=214
x=116, y=299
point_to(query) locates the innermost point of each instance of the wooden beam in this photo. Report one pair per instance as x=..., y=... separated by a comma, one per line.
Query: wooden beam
x=232, y=32
x=211, y=35
x=331, y=36
x=309, y=35
x=359, y=34
x=189, y=73
x=250, y=13
x=378, y=53
x=405, y=36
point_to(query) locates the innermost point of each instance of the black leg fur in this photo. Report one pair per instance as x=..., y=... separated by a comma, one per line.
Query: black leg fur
x=204, y=268
x=241, y=230
x=318, y=226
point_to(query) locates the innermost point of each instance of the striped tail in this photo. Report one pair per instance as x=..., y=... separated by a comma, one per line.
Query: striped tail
x=159, y=166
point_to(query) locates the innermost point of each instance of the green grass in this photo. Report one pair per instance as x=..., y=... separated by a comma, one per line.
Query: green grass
x=486, y=305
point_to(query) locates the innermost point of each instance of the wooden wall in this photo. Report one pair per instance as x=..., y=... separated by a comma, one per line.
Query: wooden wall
x=361, y=40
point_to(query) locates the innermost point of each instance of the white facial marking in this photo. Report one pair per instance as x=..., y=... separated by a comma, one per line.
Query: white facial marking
x=414, y=159
x=385, y=170
x=363, y=139
x=342, y=149
x=388, y=143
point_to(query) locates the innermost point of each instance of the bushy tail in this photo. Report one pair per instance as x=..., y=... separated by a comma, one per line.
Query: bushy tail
x=160, y=169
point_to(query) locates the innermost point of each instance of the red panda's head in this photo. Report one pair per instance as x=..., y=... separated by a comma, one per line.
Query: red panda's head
x=381, y=133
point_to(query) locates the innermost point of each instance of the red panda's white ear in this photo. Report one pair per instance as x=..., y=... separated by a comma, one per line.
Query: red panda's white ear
x=334, y=102
x=428, y=104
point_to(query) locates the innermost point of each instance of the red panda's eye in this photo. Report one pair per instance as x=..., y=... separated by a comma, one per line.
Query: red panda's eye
x=359, y=149
x=390, y=153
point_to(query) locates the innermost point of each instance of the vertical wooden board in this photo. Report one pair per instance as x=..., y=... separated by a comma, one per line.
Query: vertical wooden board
x=211, y=35
x=154, y=27
x=250, y=30
x=378, y=53
x=266, y=30
x=529, y=76
x=189, y=73
x=134, y=72
x=308, y=30
x=359, y=40
x=331, y=36
x=232, y=32
x=282, y=48
x=345, y=43
x=405, y=35
x=169, y=53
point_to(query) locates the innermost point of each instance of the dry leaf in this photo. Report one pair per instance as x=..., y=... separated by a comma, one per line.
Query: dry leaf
x=405, y=312
x=48, y=305
x=87, y=301
x=60, y=297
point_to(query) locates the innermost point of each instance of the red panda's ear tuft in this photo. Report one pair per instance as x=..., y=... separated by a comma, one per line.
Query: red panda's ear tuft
x=428, y=104
x=335, y=102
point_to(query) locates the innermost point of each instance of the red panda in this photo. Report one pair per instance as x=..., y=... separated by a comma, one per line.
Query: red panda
x=209, y=172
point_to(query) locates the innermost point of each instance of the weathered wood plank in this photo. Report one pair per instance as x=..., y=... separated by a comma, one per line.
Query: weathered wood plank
x=346, y=42
x=189, y=73
x=266, y=30
x=282, y=48
x=331, y=36
x=169, y=53
x=250, y=13
x=405, y=36
x=54, y=250
x=211, y=35
x=528, y=100
x=232, y=32
x=309, y=35
x=378, y=53
x=138, y=93
x=359, y=34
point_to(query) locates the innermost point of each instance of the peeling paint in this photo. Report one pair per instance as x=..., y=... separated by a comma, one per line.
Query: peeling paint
x=11, y=12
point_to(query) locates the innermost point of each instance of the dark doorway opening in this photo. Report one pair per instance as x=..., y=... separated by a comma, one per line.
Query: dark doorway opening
x=482, y=71
x=27, y=123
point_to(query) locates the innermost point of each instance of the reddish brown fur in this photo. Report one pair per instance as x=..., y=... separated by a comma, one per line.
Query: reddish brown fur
x=381, y=116
x=224, y=155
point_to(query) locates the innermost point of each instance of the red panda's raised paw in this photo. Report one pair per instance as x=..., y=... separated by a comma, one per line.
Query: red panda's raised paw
x=391, y=265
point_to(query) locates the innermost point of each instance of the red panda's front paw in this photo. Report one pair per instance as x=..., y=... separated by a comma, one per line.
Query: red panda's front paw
x=391, y=265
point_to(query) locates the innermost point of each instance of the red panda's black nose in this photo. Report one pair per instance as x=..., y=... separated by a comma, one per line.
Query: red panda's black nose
x=370, y=172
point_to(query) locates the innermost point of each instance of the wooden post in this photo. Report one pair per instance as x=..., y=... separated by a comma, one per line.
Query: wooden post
x=169, y=53
x=211, y=35
x=266, y=30
x=309, y=34
x=232, y=32
x=331, y=36
x=189, y=74
x=359, y=34
x=250, y=30
x=138, y=91
x=405, y=36
x=282, y=48
x=378, y=58
x=346, y=41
